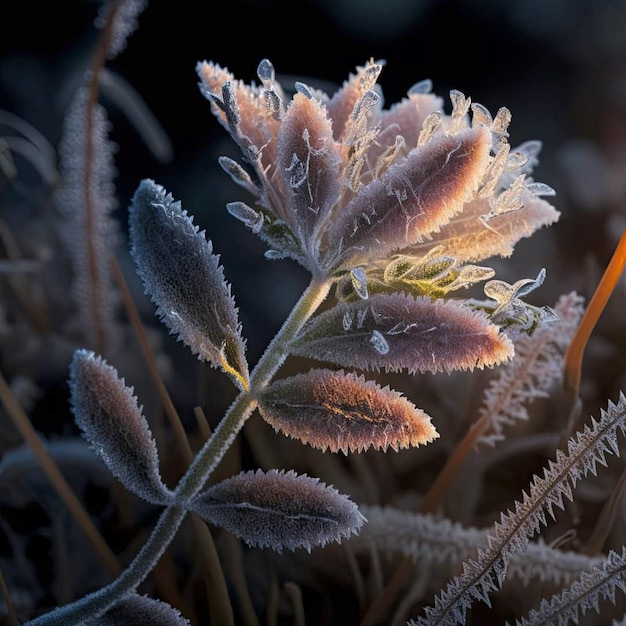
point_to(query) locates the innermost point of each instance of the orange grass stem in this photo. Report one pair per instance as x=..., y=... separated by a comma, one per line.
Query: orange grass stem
x=574, y=355
x=164, y=396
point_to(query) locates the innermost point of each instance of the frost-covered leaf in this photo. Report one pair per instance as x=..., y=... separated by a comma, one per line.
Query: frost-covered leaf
x=406, y=118
x=341, y=105
x=342, y=411
x=279, y=510
x=185, y=280
x=534, y=370
x=137, y=610
x=469, y=238
x=308, y=161
x=432, y=541
x=398, y=331
x=411, y=200
x=107, y=413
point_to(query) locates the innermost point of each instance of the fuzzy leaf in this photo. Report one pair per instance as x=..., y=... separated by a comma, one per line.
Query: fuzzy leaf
x=469, y=238
x=107, y=413
x=411, y=200
x=308, y=160
x=185, y=280
x=398, y=332
x=279, y=510
x=136, y=610
x=244, y=113
x=343, y=411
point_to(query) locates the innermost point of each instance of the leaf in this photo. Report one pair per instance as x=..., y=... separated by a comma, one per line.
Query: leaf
x=308, y=162
x=341, y=105
x=185, y=281
x=136, y=610
x=398, y=332
x=343, y=411
x=107, y=413
x=279, y=510
x=596, y=584
x=468, y=238
x=411, y=200
x=534, y=371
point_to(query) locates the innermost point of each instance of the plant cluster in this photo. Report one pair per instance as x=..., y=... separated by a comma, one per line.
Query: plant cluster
x=395, y=213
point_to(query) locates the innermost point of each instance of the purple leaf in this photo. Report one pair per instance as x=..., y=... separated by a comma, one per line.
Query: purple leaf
x=185, y=280
x=411, y=200
x=279, y=510
x=136, y=610
x=308, y=160
x=398, y=331
x=343, y=411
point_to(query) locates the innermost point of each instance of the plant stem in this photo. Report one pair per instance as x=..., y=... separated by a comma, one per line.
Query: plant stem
x=205, y=462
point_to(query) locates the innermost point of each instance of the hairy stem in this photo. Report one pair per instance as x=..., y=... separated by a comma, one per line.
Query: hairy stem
x=205, y=462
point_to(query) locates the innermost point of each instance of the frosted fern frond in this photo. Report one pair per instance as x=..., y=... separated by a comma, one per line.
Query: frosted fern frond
x=486, y=572
x=185, y=280
x=107, y=413
x=337, y=410
x=432, y=542
x=583, y=595
x=396, y=332
x=137, y=610
x=87, y=199
x=536, y=368
x=393, y=212
x=278, y=510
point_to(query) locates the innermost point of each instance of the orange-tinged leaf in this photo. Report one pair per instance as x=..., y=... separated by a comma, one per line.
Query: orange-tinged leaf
x=278, y=509
x=308, y=160
x=398, y=331
x=411, y=200
x=255, y=126
x=342, y=411
x=341, y=105
x=470, y=239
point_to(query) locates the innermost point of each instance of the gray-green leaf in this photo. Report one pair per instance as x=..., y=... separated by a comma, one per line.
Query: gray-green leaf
x=279, y=510
x=185, y=280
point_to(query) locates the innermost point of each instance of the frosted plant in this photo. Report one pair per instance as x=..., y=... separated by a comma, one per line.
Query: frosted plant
x=390, y=208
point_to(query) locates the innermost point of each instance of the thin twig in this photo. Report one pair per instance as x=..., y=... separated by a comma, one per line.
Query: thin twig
x=220, y=605
x=61, y=486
